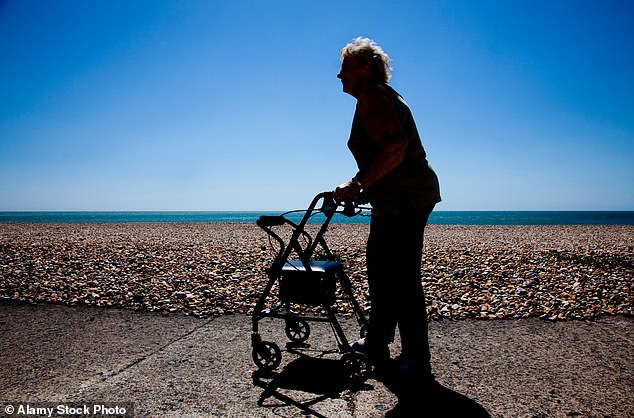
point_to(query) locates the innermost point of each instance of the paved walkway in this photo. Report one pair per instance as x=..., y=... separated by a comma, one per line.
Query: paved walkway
x=179, y=366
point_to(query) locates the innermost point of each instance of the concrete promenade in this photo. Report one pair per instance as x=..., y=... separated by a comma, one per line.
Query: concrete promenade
x=179, y=366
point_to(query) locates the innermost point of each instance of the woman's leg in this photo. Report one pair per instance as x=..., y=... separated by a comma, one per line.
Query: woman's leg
x=412, y=311
x=381, y=250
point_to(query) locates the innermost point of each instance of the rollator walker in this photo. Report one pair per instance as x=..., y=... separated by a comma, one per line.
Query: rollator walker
x=305, y=282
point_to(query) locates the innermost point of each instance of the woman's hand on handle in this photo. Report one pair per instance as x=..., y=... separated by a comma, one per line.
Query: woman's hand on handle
x=347, y=191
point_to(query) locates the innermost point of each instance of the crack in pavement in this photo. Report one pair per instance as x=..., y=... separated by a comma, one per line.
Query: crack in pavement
x=144, y=358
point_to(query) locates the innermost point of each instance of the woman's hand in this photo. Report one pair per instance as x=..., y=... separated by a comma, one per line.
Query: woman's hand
x=347, y=191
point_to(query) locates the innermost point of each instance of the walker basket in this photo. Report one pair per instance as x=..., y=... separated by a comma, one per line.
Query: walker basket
x=315, y=286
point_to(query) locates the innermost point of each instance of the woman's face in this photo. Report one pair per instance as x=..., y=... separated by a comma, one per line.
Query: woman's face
x=354, y=75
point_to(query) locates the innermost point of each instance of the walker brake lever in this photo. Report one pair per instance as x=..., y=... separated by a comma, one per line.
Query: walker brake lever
x=349, y=209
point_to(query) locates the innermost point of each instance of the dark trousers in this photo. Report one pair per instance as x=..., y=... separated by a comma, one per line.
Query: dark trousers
x=394, y=253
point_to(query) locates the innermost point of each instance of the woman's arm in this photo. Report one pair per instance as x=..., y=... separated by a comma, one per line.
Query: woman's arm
x=380, y=120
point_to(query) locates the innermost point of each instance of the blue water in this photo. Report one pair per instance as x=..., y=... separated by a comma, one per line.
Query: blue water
x=437, y=217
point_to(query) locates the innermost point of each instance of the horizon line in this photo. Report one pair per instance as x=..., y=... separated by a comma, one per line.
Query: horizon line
x=293, y=210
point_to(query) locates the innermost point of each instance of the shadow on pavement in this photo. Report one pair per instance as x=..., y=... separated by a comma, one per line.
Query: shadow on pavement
x=307, y=381
x=429, y=399
x=322, y=377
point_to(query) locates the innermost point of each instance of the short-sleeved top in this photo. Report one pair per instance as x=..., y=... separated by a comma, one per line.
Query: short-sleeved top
x=413, y=184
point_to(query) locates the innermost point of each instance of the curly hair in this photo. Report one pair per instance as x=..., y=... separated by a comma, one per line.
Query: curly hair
x=370, y=52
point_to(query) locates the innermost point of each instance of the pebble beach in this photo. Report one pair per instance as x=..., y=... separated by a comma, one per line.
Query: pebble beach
x=564, y=272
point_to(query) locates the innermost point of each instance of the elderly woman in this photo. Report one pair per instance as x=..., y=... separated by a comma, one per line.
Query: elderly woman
x=403, y=189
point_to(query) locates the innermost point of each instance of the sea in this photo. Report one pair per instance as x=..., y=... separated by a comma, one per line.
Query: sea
x=437, y=217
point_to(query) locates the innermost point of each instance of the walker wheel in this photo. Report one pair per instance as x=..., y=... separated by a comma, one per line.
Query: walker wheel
x=297, y=330
x=363, y=330
x=267, y=355
x=357, y=367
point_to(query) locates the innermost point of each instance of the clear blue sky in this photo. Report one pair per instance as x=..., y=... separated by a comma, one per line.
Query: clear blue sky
x=235, y=105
